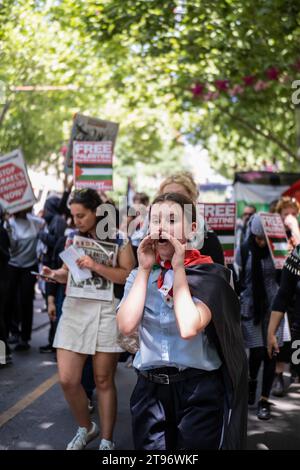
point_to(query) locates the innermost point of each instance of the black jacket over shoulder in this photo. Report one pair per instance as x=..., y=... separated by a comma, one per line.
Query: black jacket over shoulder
x=212, y=247
x=211, y=284
x=287, y=298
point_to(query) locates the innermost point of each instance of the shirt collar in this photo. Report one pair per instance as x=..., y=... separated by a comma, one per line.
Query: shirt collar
x=155, y=274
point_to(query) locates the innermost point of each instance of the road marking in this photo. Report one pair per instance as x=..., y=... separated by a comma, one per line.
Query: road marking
x=27, y=400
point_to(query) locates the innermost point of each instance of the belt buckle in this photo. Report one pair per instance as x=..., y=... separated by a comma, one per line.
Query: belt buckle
x=164, y=377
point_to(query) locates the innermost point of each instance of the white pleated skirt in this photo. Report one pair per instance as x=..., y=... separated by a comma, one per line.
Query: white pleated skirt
x=87, y=326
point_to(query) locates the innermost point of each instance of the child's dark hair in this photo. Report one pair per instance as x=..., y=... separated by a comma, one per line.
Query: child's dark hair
x=186, y=204
x=88, y=197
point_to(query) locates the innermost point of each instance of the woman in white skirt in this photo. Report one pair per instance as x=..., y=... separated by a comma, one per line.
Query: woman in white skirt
x=88, y=327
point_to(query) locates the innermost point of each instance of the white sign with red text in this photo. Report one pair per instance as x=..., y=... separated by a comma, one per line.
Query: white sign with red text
x=16, y=193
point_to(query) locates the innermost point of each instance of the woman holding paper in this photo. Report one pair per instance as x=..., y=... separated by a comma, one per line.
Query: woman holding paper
x=88, y=327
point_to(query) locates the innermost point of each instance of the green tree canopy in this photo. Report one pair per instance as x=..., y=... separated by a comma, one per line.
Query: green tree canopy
x=216, y=72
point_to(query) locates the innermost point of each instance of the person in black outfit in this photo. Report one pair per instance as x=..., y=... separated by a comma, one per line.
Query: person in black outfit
x=56, y=225
x=288, y=208
x=288, y=295
x=212, y=246
x=4, y=258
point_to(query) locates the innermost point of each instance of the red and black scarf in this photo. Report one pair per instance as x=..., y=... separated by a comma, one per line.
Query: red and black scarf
x=191, y=258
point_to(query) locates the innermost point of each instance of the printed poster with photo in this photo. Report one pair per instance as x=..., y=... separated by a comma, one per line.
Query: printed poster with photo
x=97, y=287
x=90, y=129
x=276, y=238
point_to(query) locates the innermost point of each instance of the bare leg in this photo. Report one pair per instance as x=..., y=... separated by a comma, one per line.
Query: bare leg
x=70, y=366
x=104, y=372
x=280, y=366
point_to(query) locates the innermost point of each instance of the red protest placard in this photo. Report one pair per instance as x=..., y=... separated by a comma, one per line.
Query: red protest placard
x=92, y=165
x=15, y=188
x=276, y=237
x=221, y=217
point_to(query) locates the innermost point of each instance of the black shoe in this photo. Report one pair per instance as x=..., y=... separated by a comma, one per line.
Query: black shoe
x=264, y=410
x=46, y=349
x=252, y=384
x=22, y=346
x=8, y=359
x=278, y=386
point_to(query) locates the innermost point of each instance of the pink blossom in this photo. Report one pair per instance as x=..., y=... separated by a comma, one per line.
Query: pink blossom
x=211, y=95
x=63, y=150
x=222, y=85
x=236, y=90
x=272, y=73
x=197, y=89
x=249, y=80
x=261, y=85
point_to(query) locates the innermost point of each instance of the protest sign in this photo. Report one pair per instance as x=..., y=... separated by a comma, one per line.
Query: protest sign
x=89, y=129
x=220, y=217
x=276, y=237
x=16, y=193
x=97, y=287
x=92, y=165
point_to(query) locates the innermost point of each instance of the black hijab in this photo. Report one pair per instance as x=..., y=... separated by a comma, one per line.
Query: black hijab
x=259, y=293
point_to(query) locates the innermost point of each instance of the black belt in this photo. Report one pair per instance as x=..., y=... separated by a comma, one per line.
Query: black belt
x=169, y=375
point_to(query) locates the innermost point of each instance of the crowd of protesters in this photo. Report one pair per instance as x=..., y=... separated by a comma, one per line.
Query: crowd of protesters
x=178, y=295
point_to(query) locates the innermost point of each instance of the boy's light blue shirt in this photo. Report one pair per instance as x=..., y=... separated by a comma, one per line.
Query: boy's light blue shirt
x=160, y=342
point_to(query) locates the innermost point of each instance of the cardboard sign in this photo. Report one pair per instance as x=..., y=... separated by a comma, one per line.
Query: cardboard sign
x=92, y=165
x=220, y=217
x=16, y=193
x=276, y=237
x=89, y=129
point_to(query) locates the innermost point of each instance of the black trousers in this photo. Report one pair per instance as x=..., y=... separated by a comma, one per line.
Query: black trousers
x=3, y=294
x=256, y=357
x=186, y=415
x=19, y=306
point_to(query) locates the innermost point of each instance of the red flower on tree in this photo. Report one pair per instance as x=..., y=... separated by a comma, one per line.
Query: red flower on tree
x=272, y=73
x=249, y=80
x=222, y=85
x=197, y=89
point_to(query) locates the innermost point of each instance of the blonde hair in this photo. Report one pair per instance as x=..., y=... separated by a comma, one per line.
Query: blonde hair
x=285, y=202
x=186, y=180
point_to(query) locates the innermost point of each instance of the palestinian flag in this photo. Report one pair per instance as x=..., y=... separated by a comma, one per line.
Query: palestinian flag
x=279, y=247
x=97, y=176
x=227, y=240
x=260, y=188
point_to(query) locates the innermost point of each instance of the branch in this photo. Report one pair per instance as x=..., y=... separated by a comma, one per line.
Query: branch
x=267, y=135
x=3, y=112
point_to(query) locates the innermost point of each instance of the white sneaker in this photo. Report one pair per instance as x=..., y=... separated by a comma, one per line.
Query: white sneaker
x=83, y=437
x=107, y=445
